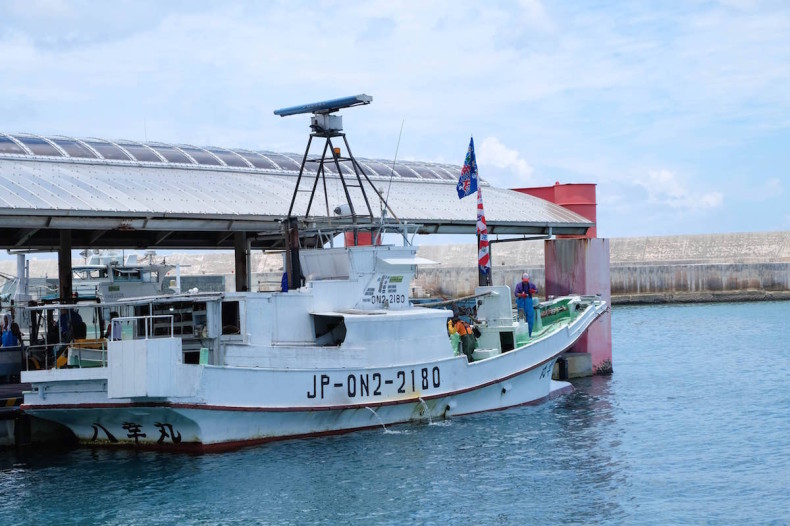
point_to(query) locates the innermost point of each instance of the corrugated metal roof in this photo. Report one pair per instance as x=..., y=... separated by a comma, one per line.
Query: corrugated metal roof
x=28, y=146
x=210, y=193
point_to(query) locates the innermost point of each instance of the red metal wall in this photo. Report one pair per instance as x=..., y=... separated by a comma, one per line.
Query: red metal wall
x=580, y=266
x=363, y=239
x=579, y=198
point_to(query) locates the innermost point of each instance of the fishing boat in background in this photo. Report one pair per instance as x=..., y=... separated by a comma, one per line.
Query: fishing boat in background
x=105, y=274
x=342, y=349
x=111, y=275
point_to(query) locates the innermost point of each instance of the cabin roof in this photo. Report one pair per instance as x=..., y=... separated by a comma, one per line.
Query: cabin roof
x=129, y=194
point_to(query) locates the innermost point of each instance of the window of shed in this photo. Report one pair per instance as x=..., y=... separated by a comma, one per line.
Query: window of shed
x=9, y=146
x=39, y=146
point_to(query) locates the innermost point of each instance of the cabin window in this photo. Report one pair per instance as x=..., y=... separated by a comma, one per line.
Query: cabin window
x=231, y=321
x=330, y=331
x=126, y=274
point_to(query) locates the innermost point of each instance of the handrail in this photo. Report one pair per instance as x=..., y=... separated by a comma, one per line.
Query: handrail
x=47, y=352
x=149, y=319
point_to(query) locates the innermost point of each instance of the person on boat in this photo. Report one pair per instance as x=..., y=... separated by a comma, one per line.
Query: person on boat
x=464, y=330
x=284, y=283
x=52, y=331
x=114, y=328
x=64, y=324
x=80, y=327
x=72, y=326
x=524, y=293
x=12, y=337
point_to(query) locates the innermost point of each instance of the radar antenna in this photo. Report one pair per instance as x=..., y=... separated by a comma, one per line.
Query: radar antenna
x=326, y=125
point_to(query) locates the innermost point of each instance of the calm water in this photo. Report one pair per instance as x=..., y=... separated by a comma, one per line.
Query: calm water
x=693, y=427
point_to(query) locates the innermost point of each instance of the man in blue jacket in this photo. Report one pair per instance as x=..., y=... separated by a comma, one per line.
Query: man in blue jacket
x=524, y=293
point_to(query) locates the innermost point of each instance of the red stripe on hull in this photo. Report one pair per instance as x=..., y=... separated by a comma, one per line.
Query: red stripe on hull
x=220, y=447
x=206, y=407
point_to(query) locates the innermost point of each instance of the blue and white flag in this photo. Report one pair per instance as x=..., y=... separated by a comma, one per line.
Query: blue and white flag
x=467, y=183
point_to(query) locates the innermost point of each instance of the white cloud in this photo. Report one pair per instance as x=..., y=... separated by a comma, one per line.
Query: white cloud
x=509, y=168
x=771, y=188
x=760, y=191
x=38, y=9
x=665, y=188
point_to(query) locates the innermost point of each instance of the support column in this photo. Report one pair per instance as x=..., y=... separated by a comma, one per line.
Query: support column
x=292, y=263
x=22, y=296
x=64, y=267
x=242, y=260
x=581, y=266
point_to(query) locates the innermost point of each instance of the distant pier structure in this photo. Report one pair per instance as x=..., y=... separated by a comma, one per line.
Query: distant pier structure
x=62, y=193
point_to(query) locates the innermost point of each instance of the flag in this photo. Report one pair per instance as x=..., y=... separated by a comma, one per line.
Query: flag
x=483, y=256
x=467, y=183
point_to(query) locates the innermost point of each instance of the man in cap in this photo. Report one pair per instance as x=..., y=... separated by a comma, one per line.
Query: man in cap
x=524, y=292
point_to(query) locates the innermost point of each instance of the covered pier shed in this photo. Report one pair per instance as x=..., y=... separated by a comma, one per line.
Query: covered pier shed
x=61, y=193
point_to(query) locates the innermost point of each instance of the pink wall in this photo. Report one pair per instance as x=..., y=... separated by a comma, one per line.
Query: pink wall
x=581, y=266
x=576, y=197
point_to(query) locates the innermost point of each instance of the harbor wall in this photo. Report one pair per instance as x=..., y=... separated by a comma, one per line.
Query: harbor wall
x=676, y=283
x=690, y=268
x=693, y=268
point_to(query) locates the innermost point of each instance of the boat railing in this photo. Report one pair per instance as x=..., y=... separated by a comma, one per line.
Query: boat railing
x=90, y=352
x=145, y=327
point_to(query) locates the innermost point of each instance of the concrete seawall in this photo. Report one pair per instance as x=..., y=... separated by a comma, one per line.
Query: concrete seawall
x=692, y=268
x=699, y=268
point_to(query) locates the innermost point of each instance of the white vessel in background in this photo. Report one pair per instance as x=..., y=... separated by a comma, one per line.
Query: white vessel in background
x=111, y=276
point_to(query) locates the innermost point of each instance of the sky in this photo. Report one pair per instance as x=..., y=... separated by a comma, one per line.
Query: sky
x=679, y=112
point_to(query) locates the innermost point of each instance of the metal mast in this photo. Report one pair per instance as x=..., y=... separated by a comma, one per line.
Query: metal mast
x=328, y=126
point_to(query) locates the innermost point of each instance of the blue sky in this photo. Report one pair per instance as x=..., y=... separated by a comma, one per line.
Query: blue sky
x=678, y=111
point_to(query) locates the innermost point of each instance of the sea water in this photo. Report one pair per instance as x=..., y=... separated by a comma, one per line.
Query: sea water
x=693, y=427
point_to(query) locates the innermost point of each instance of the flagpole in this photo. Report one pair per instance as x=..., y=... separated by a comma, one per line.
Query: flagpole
x=482, y=278
x=483, y=247
x=467, y=185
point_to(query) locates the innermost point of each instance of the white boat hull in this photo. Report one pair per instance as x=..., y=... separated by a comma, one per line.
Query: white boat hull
x=253, y=405
x=188, y=426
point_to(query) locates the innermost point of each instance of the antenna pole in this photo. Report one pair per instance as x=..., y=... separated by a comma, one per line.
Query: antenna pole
x=327, y=125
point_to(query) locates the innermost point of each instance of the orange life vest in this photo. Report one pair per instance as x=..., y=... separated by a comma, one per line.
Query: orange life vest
x=462, y=328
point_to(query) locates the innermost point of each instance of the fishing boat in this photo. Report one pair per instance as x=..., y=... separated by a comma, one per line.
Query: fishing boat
x=109, y=276
x=104, y=276
x=346, y=351
x=342, y=349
